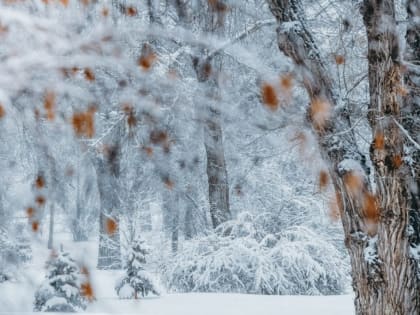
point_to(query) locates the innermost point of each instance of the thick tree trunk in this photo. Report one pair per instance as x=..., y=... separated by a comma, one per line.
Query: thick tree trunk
x=411, y=116
x=398, y=292
x=383, y=272
x=208, y=70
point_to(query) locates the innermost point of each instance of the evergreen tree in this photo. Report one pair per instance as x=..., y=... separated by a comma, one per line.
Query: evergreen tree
x=60, y=291
x=137, y=280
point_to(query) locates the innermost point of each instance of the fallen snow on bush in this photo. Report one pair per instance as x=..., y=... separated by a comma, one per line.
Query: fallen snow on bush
x=237, y=259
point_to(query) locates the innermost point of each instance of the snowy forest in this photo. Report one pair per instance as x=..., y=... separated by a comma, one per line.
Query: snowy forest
x=180, y=157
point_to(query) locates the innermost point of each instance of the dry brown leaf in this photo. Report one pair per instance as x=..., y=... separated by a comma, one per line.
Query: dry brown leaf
x=379, y=141
x=111, y=226
x=269, y=96
x=89, y=75
x=40, y=200
x=2, y=111
x=39, y=182
x=339, y=59
x=86, y=291
x=30, y=212
x=35, y=226
x=49, y=105
x=353, y=183
x=323, y=179
x=371, y=207
x=147, y=57
x=320, y=113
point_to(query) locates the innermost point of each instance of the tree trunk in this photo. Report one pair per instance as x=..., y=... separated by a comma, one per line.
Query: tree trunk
x=398, y=292
x=79, y=231
x=383, y=272
x=51, y=229
x=216, y=170
x=207, y=71
x=411, y=116
x=109, y=256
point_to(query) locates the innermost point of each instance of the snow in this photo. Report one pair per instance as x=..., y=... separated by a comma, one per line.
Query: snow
x=56, y=300
x=17, y=297
x=221, y=304
x=126, y=291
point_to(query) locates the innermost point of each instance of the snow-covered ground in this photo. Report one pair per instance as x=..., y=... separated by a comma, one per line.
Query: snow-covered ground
x=210, y=304
x=16, y=297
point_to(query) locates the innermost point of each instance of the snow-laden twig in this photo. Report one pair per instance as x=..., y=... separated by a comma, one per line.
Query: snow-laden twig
x=405, y=132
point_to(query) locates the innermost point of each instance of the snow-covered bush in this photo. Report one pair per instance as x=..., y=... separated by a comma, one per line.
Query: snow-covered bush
x=60, y=291
x=13, y=252
x=137, y=280
x=235, y=259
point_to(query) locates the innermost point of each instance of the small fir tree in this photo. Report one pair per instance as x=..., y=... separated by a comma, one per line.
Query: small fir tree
x=137, y=280
x=60, y=291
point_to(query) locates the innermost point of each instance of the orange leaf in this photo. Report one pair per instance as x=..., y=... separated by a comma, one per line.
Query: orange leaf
x=2, y=111
x=39, y=182
x=86, y=290
x=323, y=179
x=353, y=183
x=111, y=226
x=397, y=161
x=49, y=105
x=370, y=207
x=30, y=212
x=339, y=59
x=40, y=200
x=269, y=96
x=320, y=112
x=148, y=150
x=35, y=226
x=286, y=82
x=379, y=141
x=89, y=75
x=158, y=137
x=218, y=5
x=147, y=57
x=84, y=123
x=130, y=11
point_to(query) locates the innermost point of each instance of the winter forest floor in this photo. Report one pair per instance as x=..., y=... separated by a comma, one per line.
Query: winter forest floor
x=16, y=297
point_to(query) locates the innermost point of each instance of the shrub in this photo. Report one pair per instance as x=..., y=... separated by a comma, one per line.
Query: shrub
x=237, y=259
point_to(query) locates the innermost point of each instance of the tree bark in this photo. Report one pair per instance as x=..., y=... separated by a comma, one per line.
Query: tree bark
x=51, y=228
x=207, y=71
x=109, y=256
x=411, y=115
x=383, y=272
x=398, y=292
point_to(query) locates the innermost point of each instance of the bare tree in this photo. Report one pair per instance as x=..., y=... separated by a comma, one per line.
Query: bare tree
x=108, y=171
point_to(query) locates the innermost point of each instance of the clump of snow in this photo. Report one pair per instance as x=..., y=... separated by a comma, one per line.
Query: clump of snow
x=350, y=165
x=370, y=252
